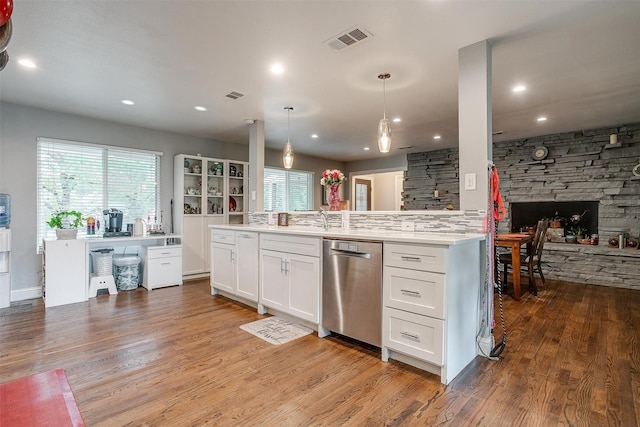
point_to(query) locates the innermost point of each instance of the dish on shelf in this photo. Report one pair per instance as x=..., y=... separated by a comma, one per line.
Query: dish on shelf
x=232, y=204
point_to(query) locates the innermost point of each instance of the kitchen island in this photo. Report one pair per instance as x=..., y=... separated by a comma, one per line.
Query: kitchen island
x=430, y=287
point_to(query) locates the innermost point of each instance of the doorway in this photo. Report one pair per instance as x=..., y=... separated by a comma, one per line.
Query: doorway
x=363, y=195
x=383, y=191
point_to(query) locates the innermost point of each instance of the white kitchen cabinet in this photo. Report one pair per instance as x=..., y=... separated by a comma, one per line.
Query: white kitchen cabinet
x=290, y=275
x=430, y=305
x=66, y=279
x=205, y=194
x=247, y=256
x=162, y=266
x=234, y=256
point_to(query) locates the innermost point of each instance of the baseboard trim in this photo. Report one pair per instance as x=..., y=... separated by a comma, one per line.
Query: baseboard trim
x=25, y=294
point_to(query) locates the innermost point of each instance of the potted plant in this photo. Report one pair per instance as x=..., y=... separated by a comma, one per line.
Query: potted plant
x=66, y=224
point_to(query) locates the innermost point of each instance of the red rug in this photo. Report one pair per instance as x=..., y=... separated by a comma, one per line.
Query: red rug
x=39, y=400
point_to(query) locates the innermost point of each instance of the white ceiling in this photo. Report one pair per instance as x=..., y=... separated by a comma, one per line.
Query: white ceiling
x=580, y=61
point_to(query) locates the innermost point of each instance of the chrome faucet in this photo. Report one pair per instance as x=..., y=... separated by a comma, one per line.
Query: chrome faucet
x=325, y=218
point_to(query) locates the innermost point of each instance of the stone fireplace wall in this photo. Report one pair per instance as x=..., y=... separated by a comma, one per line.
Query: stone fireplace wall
x=580, y=165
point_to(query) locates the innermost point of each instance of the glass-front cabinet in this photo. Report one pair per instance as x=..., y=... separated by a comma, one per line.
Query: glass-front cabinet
x=236, y=192
x=215, y=187
x=206, y=191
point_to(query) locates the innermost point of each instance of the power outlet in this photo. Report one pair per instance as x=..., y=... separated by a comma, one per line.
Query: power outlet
x=407, y=225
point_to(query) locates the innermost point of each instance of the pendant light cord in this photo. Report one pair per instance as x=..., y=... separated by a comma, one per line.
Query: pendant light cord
x=384, y=98
x=288, y=125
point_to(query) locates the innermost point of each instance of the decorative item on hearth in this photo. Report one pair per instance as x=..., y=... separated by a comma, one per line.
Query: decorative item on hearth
x=332, y=178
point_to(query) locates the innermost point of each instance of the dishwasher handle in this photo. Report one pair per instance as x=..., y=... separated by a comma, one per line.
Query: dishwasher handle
x=343, y=252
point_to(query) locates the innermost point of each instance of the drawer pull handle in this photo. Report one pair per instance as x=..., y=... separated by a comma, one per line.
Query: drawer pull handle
x=407, y=291
x=165, y=263
x=411, y=258
x=165, y=253
x=410, y=336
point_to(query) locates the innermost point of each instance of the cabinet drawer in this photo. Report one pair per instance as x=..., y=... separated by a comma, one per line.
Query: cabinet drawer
x=414, y=335
x=163, y=251
x=164, y=271
x=291, y=244
x=419, y=292
x=415, y=257
x=223, y=236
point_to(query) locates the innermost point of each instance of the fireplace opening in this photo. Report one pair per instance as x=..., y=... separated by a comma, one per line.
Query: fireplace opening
x=527, y=214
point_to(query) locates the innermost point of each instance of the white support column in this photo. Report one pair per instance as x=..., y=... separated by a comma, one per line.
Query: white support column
x=474, y=124
x=256, y=166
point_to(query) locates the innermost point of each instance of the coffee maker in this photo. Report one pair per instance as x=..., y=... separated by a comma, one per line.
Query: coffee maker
x=113, y=223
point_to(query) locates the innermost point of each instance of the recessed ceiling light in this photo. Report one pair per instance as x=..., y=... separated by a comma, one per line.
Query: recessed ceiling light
x=200, y=108
x=541, y=119
x=277, y=69
x=127, y=102
x=27, y=63
x=436, y=137
x=314, y=135
x=366, y=148
x=519, y=88
x=397, y=120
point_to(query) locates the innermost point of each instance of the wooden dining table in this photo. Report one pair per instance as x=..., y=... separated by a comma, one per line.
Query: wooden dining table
x=515, y=241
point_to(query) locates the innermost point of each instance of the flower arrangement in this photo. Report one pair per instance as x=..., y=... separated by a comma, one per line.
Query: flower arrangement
x=332, y=177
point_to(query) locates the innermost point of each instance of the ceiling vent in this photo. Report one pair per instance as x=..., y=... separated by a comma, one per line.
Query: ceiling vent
x=234, y=95
x=348, y=38
x=405, y=147
x=497, y=132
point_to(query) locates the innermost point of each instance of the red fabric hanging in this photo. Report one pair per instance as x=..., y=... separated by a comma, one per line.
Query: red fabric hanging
x=499, y=212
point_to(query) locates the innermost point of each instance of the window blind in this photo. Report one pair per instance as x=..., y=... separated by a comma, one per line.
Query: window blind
x=89, y=178
x=287, y=190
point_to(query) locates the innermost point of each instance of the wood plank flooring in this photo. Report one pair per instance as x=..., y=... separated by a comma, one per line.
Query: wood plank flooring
x=177, y=357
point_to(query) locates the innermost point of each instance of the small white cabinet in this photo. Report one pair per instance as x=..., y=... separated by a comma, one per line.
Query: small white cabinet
x=234, y=267
x=430, y=299
x=66, y=279
x=290, y=275
x=162, y=266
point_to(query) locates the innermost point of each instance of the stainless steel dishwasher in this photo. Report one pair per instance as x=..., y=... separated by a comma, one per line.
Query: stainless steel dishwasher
x=352, y=289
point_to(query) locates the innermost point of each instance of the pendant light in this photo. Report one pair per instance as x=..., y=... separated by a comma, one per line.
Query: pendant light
x=287, y=153
x=384, y=127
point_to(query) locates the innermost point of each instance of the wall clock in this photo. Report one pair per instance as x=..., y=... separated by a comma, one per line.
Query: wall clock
x=636, y=170
x=540, y=153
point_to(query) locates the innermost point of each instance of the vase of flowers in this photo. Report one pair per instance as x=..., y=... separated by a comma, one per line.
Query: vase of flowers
x=332, y=178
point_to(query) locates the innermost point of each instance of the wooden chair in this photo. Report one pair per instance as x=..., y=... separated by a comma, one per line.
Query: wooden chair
x=531, y=260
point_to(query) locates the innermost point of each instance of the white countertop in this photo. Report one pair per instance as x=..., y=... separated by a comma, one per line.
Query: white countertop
x=382, y=235
x=100, y=239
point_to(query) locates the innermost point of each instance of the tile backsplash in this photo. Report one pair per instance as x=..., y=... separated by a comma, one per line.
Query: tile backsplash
x=418, y=221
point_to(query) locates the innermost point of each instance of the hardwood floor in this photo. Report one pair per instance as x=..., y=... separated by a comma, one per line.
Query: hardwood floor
x=177, y=357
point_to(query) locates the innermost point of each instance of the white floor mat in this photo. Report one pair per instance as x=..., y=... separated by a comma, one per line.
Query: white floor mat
x=276, y=330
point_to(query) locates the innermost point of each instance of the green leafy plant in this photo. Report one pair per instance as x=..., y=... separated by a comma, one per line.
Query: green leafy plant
x=65, y=219
x=577, y=230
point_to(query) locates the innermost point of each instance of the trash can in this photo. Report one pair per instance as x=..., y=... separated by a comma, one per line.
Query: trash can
x=102, y=261
x=126, y=272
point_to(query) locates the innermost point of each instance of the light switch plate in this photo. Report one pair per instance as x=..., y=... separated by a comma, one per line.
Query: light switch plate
x=469, y=181
x=407, y=225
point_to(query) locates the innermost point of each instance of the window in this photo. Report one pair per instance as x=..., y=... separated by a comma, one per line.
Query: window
x=286, y=190
x=89, y=178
